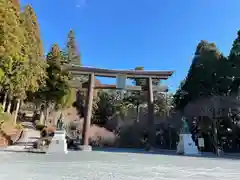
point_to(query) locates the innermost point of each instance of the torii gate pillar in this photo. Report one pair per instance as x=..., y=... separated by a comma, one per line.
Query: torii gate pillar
x=88, y=113
x=151, y=130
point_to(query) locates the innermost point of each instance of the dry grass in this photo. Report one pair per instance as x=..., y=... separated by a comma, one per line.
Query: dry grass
x=9, y=128
x=102, y=136
x=98, y=135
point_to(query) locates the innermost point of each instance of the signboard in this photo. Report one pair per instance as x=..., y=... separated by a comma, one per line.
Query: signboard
x=201, y=142
x=121, y=81
x=181, y=138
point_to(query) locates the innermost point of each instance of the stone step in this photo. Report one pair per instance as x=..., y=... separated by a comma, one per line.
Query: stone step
x=24, y=143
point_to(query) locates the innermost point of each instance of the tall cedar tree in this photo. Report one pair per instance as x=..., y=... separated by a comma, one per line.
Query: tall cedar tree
x=72, y=50
x=16, y=4
x=234, y=59
x=32, y=33
x=72, y=56
x=57, y=82
x=202, y=75
x=12, y=50
x=35, y=53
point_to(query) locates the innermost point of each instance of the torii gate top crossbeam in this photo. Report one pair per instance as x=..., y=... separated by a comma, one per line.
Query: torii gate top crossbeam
x=81, y=70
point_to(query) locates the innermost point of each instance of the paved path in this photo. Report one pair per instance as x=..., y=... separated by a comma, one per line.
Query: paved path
x=28, y=125
x=29, y=136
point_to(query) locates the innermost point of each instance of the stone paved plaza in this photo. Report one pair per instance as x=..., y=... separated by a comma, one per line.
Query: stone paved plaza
x=115, y=166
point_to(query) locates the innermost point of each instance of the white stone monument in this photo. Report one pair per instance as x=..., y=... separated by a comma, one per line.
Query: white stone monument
x=186, y=145
x=58, y=143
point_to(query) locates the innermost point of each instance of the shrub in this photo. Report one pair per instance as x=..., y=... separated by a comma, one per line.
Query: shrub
x=6, y=117
x=44, y=132
x=37, y=122
x=18, y=126
x=40, y=127
x=1, y=109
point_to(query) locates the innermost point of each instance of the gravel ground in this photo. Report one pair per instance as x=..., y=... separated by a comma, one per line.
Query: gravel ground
x=115, y=166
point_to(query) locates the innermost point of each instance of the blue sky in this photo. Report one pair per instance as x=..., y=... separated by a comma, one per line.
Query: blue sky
x=123, y=34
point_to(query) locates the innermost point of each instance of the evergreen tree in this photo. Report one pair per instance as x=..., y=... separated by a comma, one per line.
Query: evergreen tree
x=12, y=50
x=235, y=51
x=140, y=97
x=72, y=56
x=103, y=108
x=13, y=54
x=213, y=75
x=202, y=77
x=234, y=59
x=34, y=46
x=32, y=33
x=57, y=79
x=72, y=50
x=16, y=4
x=178, y=97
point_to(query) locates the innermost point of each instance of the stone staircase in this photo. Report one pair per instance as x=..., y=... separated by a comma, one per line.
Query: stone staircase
x=26, y=141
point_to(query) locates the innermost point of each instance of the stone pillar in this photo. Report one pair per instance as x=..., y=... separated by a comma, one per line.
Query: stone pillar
x=88, y=112
x=151, y=130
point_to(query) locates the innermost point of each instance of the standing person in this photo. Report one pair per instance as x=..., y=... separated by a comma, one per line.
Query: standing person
x=58, y=122
x=61, y=124
x=146, y=140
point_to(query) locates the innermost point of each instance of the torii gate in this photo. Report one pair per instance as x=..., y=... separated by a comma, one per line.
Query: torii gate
x=76, y=70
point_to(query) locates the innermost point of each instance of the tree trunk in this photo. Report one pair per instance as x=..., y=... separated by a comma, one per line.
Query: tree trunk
x=46, y=113
x=4, y=102
x=214, y=129
x=170, y=138
x=41, y=119
x=9, y=106
x=17, y=110
x=138, y=111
